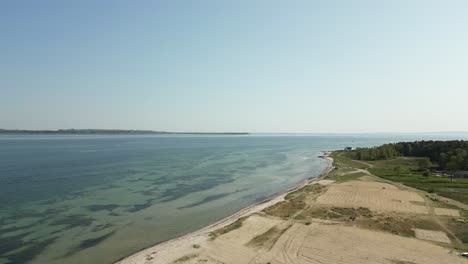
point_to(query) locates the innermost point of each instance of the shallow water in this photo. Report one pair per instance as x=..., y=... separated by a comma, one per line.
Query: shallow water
x=96, y=199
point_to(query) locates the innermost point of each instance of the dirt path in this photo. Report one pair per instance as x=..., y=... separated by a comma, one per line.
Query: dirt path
x=365, y=163
x=430, y=206
x=428, y=202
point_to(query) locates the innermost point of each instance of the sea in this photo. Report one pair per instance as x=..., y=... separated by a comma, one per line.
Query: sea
x=98, y=198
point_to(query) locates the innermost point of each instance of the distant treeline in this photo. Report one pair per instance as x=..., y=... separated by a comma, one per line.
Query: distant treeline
x=383, y=152
x=109, y=132
x=449, y=155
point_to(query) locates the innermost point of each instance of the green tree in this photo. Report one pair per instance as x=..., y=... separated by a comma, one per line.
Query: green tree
x=452, y=166
x=443, y=159
x=424, y=164
x=460, y=152
x=461, y=155
x=409, y=150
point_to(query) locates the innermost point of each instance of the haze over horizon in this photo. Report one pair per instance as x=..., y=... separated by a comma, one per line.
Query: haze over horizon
x=243, y=66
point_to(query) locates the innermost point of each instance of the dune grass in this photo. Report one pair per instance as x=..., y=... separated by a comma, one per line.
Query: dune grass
x=235, y=225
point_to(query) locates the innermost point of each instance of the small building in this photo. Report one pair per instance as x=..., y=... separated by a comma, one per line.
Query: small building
x=348, y=149
x=460, y=174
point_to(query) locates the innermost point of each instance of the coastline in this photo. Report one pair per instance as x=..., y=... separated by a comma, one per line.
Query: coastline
x=166, y=250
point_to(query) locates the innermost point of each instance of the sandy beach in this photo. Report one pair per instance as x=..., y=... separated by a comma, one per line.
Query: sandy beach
x=168, y=251
x=346, y=215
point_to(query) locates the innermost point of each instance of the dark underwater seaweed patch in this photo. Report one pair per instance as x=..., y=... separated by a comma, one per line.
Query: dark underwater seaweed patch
x=133, y=180
x=12, y=229
x=182, y=178
x=57, y=231
x=206, y=200
x=48, y=201
x=43, y=215
x=10, y=243
x=139, y=180
x=87, y=243
x=183, y=189
x=139, y=207
x=257, y=197
x=72, y=221
x=102, y=207
x=213, y=198
x=39, y=218
x=19, y=214
x=101, y=227
x=109, y=186
x=31, y=250
x=55, y=211
x=76, y=194
x=249, y=168
x=150, y=192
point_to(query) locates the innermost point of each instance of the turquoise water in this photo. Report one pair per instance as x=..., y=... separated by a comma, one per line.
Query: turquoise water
x=96, y=199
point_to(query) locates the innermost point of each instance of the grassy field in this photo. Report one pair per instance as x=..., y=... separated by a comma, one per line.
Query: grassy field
x=340, y=160
x=345, y=168
x=408, y=174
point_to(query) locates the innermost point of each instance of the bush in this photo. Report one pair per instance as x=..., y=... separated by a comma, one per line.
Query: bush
x=426, y=174
x=430, y=190
x=424, y=164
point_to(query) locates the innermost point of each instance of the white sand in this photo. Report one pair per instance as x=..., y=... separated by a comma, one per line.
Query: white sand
x=446, y=211
x=437, y=236
x=373, y=195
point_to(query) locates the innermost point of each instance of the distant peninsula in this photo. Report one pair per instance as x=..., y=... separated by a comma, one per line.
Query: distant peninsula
x=109, y=132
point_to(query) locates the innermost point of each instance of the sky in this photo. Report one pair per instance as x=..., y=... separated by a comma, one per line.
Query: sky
x=250, y=66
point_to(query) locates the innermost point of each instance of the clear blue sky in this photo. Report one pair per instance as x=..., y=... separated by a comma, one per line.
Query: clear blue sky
x=258, y=66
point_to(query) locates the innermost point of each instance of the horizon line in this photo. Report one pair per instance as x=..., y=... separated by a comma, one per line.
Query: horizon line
x=225, y=132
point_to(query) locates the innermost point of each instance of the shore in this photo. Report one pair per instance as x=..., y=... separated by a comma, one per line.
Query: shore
x=346, y=215
x=168, y=251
